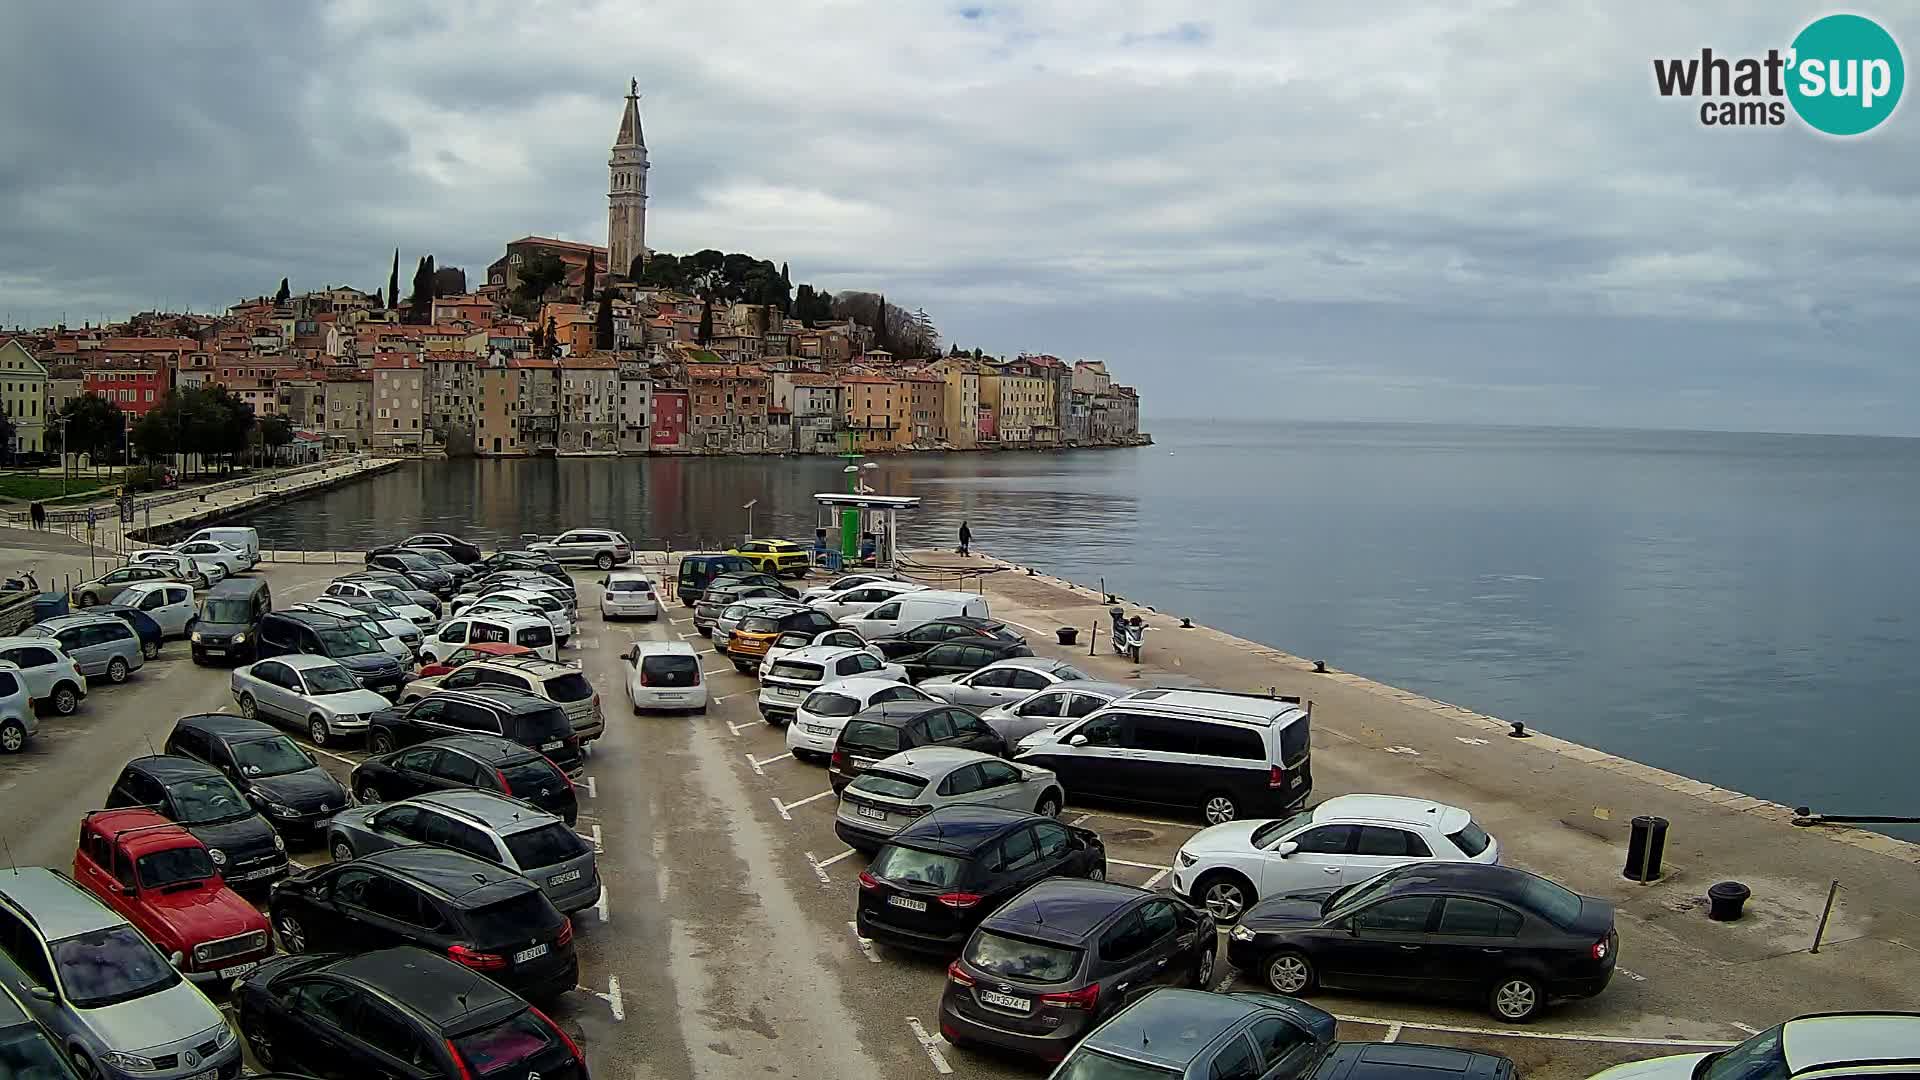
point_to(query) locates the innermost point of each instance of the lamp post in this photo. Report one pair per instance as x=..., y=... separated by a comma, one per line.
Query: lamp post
x=749, y=509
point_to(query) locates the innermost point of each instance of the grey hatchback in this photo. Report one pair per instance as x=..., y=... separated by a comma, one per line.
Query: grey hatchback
x=99, y=644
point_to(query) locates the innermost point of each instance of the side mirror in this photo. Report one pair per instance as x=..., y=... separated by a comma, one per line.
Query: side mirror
x=628, y=658
x=41, y=992
x=1076, y=740
x=311, y=758
x=1286, y=849
x=177, y=958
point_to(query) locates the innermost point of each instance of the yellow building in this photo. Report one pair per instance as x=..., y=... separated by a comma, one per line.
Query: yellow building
x=879, y=413
x=23, y=397
x=1022, y=403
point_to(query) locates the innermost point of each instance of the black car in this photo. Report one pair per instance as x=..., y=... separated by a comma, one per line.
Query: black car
x=523, y=560
x=415, y=568
x=241, y=843
x=423, y=597
x=476, y=913
x=927, y=635
x=393, y=1013
x=533, y=722
x=1061, y=957
x=461, y=551
x=442, y=560
x=149, y=632
x=280, y=779
x=483, y=762
x=960, y=657
x=319, y=634
x=742, y=579
x=27, y=1051
x=885, y=729
x=229, y=615
x=937, y=878
x=1175, y=1034
x=1467, y=930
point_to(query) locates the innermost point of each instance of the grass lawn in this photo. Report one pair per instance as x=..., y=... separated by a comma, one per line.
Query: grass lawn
x=28, y=486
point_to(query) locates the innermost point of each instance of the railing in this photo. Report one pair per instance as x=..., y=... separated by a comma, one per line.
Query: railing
x=193, y=493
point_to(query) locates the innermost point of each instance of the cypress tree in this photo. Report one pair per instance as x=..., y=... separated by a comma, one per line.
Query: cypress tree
x=881, y=339
x=603, y=322
x=281, y=296
x=393, y=282
x=706, y=320
x=586, y=281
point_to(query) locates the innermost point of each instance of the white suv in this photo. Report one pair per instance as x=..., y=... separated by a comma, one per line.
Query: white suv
x=1227, y=868
x=787, y=681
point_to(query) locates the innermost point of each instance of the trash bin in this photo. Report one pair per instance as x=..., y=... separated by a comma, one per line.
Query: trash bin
x=48, y=604
x=1725, y=900
x=1067, y=634
x=1646, y=844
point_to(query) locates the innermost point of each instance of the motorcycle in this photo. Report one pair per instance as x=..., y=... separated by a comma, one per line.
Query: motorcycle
x=25, y=582
x=1128, y=634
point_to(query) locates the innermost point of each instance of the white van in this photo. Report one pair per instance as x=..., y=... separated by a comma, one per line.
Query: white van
x=502, y=627
x=240, y=538
x=909, y=610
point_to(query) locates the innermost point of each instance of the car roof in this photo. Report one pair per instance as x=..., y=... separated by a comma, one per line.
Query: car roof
x=1171, y=1026
x=1222, y=705
x=304, y=661
x=1032, y=663
x=517, y=701
x=455, y=874
x=78, y=618
x=430, y=984
x=861, y=686
x=1500, y=882
x=897, y=713
x=215, y=723
x=665, y=648
x=317, y=620
x=1408, y=1061
x=932, y=761
x=532, y=664
x=820, y=653
x=57, y=906
x=165, y=767
x=237, y=587
x=1398, y=809
x=1065, y=910
x=140, y=830
x=962, y=828
x=1814, y=1041
x=507, y=616
x=497, y=812
x=491, y=749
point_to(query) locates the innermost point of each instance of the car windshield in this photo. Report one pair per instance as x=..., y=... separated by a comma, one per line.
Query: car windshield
x=505, y=1044
x=734, y=612
x=530, y=776
x=205, y=801
x=389, y=595
x=572, y=686
x=910, y=866
x=670, y=670
x=629, y=585
x=269, y=757
x=346, y=641
x=1471, y=840
x=1357, y=893
x=538, y=726
x=329, y=680
x=826, y=704
x=226, y=609
x=796, y=670
x=1554, y=903
x=1762, y=1057
x=545, y=846
x=412, y=561
x=1093, y=1065
x=1265, y=834
x=759, y=624
x=437, y=558
x=872, y=738
x=890, y=784
x=102, y=967
x=26, y=1054
x=163, y=868
x=514, y=919
x=1016, y=958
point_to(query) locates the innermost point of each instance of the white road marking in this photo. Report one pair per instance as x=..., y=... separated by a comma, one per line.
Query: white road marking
x=593, y=789
x=1393, y=1033
x=1619, y=1040
x=1081, y=820
x=337, y=757
x=817, y=871
x=1226, y=979
x=599, y=845
x=725, y=697
x=611, y=997
x=1403, y=750
x=1154, y=880
x=836, y=858
x=1469, y=741
x=784, y=807
x=1137, y=865
x=930, y=1044
x=683, y=637
x=866, y=944
x=1025, y=627
x=744, y=725
x=1634, y=975
x=1187, y=825
x=1748, y=1028
x=298, y=863
x=722, y=671
x=759, y=764
x=600, y=905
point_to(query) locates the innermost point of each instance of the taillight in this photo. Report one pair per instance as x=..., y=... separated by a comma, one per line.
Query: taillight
x=478, y=961
x=458, y=1061
x=839, y=760
x=566, y=932
x=868, y=881
x=558, y=1030
x=1599, y=949
x=959, y=901
x=958, y=976
x=916, y=811
x=1276, y=777
x=1084, y=998
x=644, y=680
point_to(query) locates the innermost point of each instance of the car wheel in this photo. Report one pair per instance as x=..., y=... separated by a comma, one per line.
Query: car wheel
x=1203, y=970
x=368, y=795
x=13, y=737
x=117, y=670
x=293, y=936
x=383, y=743
x=1098, y=873
x=317, y=730
x=1220, y=808
x=1516, y=999
x=1049, y=805
x=149, y=650
x=66, y=700
x=604, y=560
x=88, y=599
x=248, y=707
x=1289, y=972
x=1225, y=895
x=340, y=850
x=83, y=1065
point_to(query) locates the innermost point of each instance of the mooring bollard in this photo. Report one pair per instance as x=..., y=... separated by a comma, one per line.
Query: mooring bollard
x=1067, y=634
x=1726, y=899
x=1646, y=845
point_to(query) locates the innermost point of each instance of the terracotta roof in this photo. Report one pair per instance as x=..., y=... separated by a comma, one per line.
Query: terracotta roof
x=393, y=361
x=148, y=344
x=548, y=241
x=811, y=378
x=869, y=379
x=532, y=363
x=590, y=362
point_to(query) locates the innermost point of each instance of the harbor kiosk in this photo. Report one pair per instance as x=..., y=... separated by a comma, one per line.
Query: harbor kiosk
x=866, y=525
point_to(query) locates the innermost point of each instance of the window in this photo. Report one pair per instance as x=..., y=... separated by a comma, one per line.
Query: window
x=1159, y=919
x=1471, y=840
x=1276, y=1038
x=1041, y=705
x=1125, y=940
x=1236, y=1061
x=1327, y=840
x=1405, y=915
x=1114, y=729
x=447, y=832
x=1053, y=839
x=1084, y=705
x=1162, y=735
x=962, y=781
x=1477, y=918
x=1390, y=842
x=1027, y=679
x=459, y=769
x=328, y=1002
x=939, y=724
x=419, y=760
x=1220, y=740
x=997, y=773
x=992, y=677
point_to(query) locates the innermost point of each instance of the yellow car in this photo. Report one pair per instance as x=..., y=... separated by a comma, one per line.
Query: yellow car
x=776, y=557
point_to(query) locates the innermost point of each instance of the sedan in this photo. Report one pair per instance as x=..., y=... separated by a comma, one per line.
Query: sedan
x=1002, y=681
x=316, y=693
x=862, y=598
x=114, y=582
x=1052, y=707
x=927, y=635
x=201, y=573
x=232, y=560
x=1503, y=936
x=901, y=788
x=848, y=581
x=462, y=550
x=961, y=657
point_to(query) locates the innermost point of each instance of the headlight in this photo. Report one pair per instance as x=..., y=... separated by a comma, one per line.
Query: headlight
x=278, y=843
x=1241, y=933
x=201, y=952
x=239, y=637
x=282, y=810
x=197, y=637
x=127, y=1062
x=224, y=1036
x=219, y=857
x=346, y=718
x=1187, y=859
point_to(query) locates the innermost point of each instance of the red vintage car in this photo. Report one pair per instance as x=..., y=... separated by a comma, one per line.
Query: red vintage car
x=162, y=879
x=466, y=654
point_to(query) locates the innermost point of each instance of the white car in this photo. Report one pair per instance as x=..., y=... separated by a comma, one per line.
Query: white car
x=525, y=628
x=392, y=623
x=818, y=719
x=314, y=693
x=629, y=594
x=17, y=720
x=169, y=603
x=545, y=603
x=847, y=581
x=50, y=674
x=203, y=572
x=861, y=599
x=800, y=672
x=665, y=675
x=1820, y=1046
x=232, y=560
x=395, y=600
x=1344, y=840
x=801, y=639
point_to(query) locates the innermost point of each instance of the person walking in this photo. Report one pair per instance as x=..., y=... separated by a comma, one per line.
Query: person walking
x=966, y=537
x=38, y=513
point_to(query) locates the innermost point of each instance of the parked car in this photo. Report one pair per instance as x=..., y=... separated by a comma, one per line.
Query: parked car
x=999, y=682
x=910, y=609
x=277, y=777
x=502, y=830
x=518, y=583
x=409, y=592
x=698, y=568
x=390, y=643
x=201, y=573
x=460, y=762
x=848, y=581
x=719, y=600
x=928, y=634
x=535, y=723
x=315, y=693
x=229, y=615
x=280, y=633
x=562, y=684
x=628, y=594
x=1506, y=937
x=466, y=654
x=1227, y=755
x=603, y=548
x=346, y=1015
x=1062, y=956
x=161, y=879
x=50, y=675
x=476, y=913
x=391, y=623
x=241, y=538
x=818, y=720
x=420, y=609
x=1818, y=1046
x=757, y=630
x=145, y=630
x=98, y=644
x=776, y=557
x=415, y=568
x=168, y=603
x=247, y=850
x=794, y=640
x=110, y=584
x=1342, y=841
x=933, y=881
x=544, y=601
x=460, y=572
x=665, y=675
x=883, y=730
x=17, y=720
x=231, y=559
x=1181, y=1034
x=523, y=560
x=26, y=1047
x=103, y=990
x=463, y=551
x=1052, y=707
x=905, y=787
x=860, y=599
x=526, y=629
x=799, y=673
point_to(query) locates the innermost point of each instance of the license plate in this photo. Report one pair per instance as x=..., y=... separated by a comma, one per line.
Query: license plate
x=816, y=729
x=562, y=879
x=550, y=746
x=871, y=812
x=785, y=692
x=534, y=953
x=907, y=902
x=255, y=875
x=1006, y=1001
x=671, y=697
x=215, y=652
x=1298, y=779
x=205, y=1074
x=236, y=970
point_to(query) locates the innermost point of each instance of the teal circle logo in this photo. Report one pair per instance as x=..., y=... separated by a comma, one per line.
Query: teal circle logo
x=1846, y=74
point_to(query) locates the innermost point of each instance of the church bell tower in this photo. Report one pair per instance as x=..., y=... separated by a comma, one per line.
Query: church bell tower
x=627, y=189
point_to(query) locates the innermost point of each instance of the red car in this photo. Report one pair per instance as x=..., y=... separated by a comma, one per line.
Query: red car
x=162, y=879
x=466, y=654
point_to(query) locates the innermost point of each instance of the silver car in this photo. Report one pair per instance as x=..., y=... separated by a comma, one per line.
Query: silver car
x=895, y=791
x=392, y=623
x=110, y=998
x=1052, y=707
x=714, y=603
x=99, y=644
x=506, y=831
x=389, y=642
x=1002, y=682
x=315, y=692
x=729, y=619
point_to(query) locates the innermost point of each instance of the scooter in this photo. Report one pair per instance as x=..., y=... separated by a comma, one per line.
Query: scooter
x=25, y=582
x=1127, y=635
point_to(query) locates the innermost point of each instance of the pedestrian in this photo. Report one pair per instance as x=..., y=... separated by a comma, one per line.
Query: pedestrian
x=38, y=513
x=966, y=537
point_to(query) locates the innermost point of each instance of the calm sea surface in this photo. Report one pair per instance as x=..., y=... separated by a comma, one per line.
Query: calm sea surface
x=1739, y=608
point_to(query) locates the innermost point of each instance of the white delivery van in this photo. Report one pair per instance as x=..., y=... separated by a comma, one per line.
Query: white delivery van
x=909, y=610
x=239, y=538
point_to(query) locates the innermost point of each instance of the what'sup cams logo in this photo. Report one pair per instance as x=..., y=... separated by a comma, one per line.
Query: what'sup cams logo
x=1842, y=76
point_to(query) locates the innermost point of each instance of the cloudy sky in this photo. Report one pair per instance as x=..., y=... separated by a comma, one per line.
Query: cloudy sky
x=1467, y=211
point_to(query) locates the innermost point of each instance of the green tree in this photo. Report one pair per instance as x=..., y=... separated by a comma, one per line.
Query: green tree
x=706, y=320
x=94, y=426
x=281, y=296
x=882, y=334
x=156, y=435
x=553, y=338
x=275, y=433
x=803, y=303
x=393, y=282
x=540, y=272
x=420, y=304
x=786, y=291
x=449, y=281
x=603, y=323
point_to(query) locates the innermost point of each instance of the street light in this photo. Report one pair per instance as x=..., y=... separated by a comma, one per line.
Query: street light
x=749, y=509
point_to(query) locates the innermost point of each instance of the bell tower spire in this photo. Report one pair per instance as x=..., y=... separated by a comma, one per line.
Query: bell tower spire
x=627, y=189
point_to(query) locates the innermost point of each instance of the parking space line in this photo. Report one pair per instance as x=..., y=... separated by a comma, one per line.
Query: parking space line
x=930, y=1044
x=1188, y=825
x=1748, y=1028
x=743, y=725
x=836, y=858
x=735, y=694
x=1556, y=1036
x=599, y=845
x=1154, y=880
x=611, y=997
x=783, y=807
x=1138, y=865
x=817, y=870
x=759, y=765
x=1226, y=979
x=593, y=789
x=1081, y=820
x=722, y=671
x=1634, y=975
x=600, y=905
x=1025, y=627
x=342, y=758
x=866, y=944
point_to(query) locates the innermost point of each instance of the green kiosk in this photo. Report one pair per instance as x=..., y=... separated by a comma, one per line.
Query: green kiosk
x=868, y=525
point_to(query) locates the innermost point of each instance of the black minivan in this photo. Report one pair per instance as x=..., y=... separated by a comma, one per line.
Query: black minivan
x=247, y=850
x=698, y=568
x=228, y=616
x=319, y=634
x=533, y=722
x=280, y=779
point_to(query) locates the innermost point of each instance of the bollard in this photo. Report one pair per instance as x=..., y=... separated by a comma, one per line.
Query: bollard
x=1725, y=900
x=1067, y=634
x=1646, y=844
x=1825, y=913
